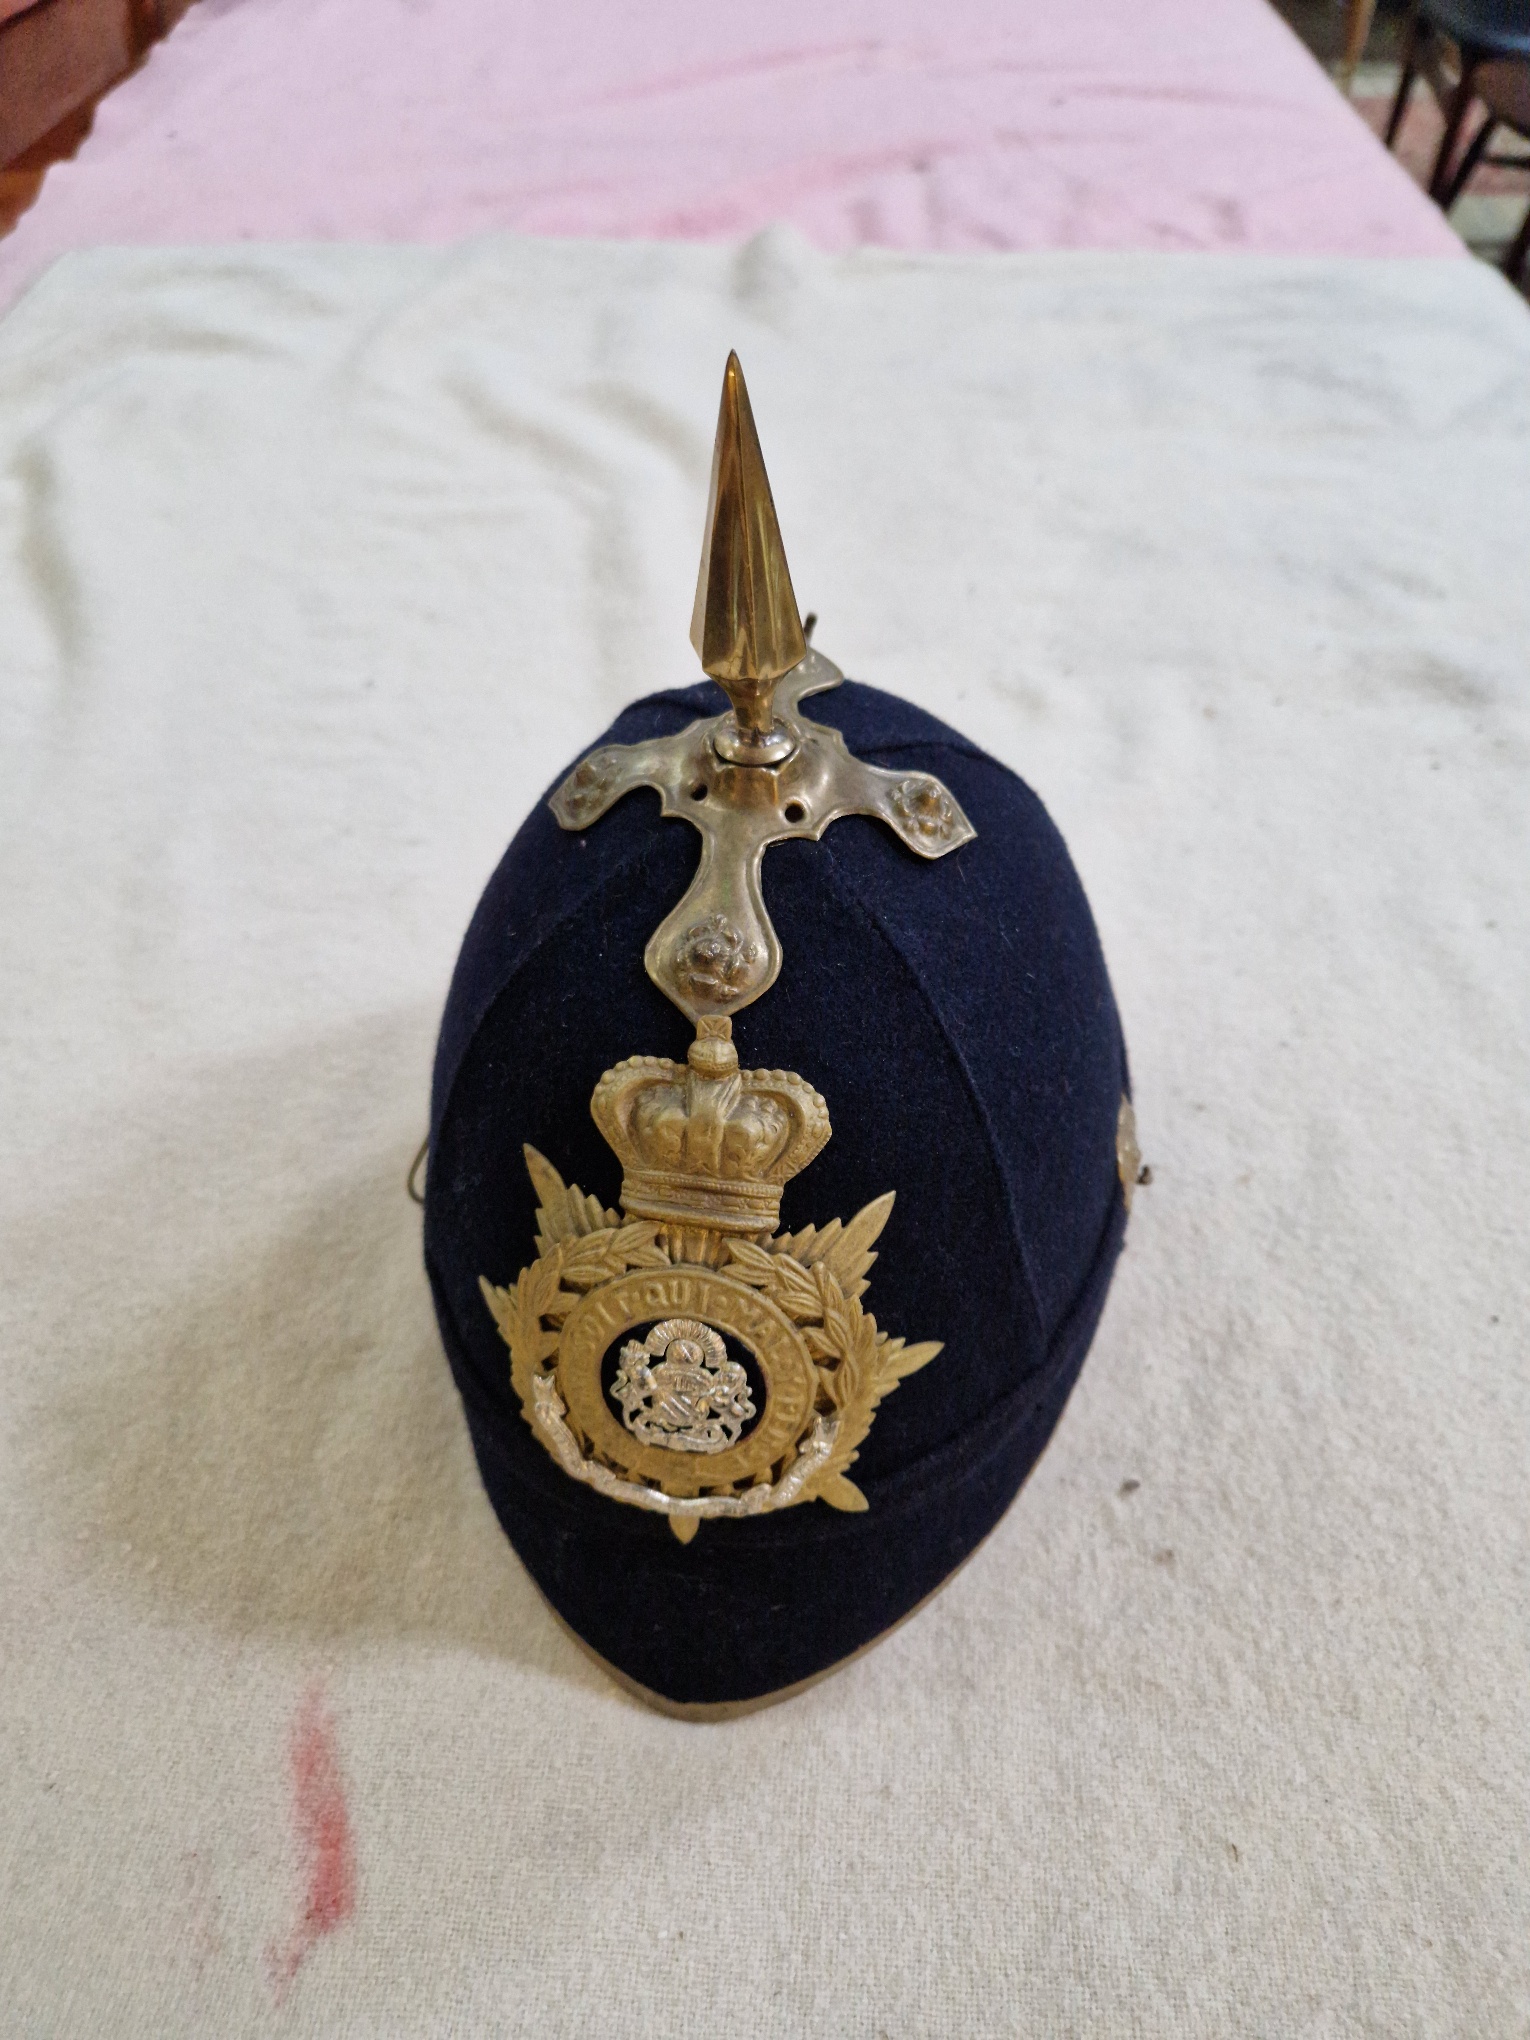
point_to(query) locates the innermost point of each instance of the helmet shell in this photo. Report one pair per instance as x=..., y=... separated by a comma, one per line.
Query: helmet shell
x=958, y=1018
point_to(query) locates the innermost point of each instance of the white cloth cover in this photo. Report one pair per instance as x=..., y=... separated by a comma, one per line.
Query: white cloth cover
x=317, y=564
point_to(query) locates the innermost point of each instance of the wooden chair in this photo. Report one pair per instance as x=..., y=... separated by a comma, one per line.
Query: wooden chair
x=1504, y=89
x=1448, y=43
x=1466, y=50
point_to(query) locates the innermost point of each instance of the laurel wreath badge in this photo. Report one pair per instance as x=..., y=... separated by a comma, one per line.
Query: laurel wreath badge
x=706, y=1148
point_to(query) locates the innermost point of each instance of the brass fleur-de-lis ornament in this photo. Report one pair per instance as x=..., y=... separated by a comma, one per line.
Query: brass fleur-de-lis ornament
x=747, y=1372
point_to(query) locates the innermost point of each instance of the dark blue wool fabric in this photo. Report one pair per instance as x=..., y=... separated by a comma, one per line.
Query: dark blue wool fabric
x=958, y=1019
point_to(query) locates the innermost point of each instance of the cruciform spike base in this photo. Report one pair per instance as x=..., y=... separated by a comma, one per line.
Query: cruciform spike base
x=717, y=951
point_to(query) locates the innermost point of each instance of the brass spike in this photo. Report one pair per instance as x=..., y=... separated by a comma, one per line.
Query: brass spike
x=745, y=625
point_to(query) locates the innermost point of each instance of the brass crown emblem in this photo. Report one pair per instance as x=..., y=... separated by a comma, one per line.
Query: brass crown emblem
x=705, y=1145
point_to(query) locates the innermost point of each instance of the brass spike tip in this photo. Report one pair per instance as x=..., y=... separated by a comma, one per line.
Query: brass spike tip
x=745, y=626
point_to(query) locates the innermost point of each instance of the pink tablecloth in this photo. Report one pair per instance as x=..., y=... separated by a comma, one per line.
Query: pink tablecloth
x=965, y=125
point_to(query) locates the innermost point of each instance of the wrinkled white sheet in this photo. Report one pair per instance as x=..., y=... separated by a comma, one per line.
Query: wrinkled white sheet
x=316, y=565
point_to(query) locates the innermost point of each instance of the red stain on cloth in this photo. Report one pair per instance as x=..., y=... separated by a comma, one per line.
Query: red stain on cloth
x=323, y=1825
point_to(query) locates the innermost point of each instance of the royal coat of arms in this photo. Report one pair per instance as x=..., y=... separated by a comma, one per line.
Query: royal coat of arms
x=679, y=1388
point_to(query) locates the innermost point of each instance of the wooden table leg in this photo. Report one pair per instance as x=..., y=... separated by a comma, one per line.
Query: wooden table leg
x=1358, y=16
